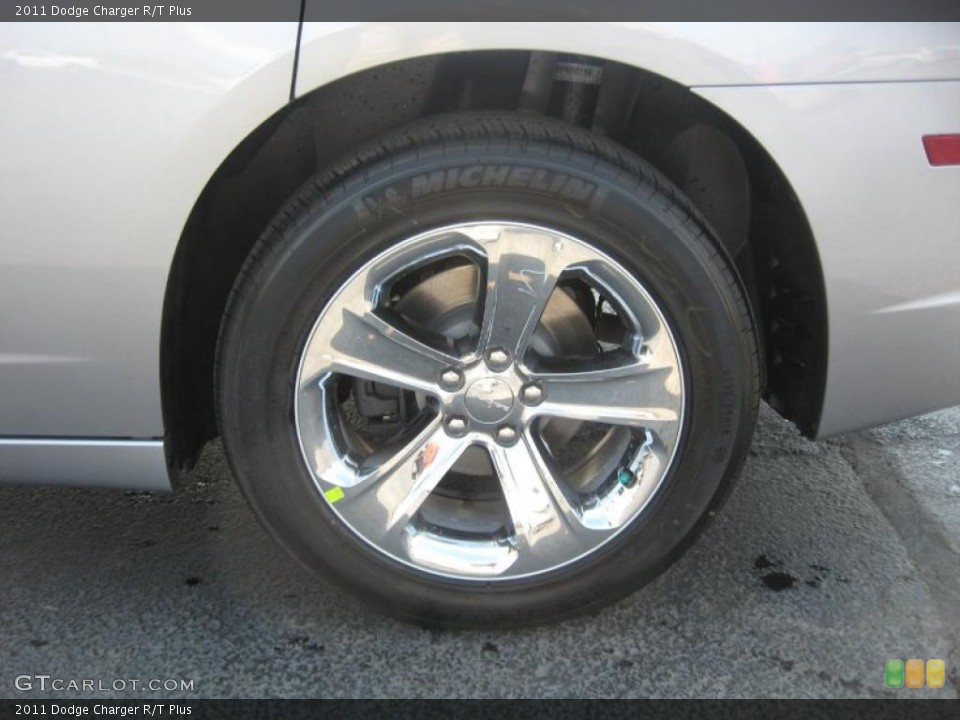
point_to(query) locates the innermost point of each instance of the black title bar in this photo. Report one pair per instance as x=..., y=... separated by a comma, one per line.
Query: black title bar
x=478, y=10
x=592, y=709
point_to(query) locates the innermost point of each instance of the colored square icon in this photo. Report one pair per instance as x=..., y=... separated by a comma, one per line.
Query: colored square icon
x=936, y=672
x=894, y=672
x=914, y=673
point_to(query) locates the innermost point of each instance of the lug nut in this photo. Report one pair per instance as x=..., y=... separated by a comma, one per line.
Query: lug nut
x=456, y=426
x=498, y=358
x=451, y=379
x=506, y=435
x=531, y=394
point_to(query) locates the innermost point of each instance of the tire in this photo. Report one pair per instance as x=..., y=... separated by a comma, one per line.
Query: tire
x=627, y=376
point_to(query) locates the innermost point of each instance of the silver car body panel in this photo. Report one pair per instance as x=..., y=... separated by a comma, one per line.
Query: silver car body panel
x=116, y=128
x=115, y=464
x=688, y=53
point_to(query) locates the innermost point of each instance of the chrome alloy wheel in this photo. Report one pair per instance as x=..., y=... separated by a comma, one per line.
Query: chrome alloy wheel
x=489, y=401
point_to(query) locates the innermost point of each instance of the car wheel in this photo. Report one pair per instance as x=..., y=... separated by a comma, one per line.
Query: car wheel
x=489, y=370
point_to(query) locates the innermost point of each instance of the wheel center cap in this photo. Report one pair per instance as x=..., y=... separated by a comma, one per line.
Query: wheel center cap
x=489, y=400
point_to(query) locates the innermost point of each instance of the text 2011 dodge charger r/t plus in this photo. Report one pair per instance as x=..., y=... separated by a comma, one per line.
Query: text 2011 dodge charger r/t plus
x=482, y=312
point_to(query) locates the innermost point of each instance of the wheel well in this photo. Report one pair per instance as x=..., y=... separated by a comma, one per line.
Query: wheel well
x=728, y=176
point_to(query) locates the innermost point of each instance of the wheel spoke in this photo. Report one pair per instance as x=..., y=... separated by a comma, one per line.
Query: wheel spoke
x=367, y=346
x=522, y=270
x=547, y=527
x=638, y=395
x=392, y=486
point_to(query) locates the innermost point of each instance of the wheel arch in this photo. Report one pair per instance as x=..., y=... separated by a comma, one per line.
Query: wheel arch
x=727, y=174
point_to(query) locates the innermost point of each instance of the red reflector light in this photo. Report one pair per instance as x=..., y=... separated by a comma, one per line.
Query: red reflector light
x=942, y=149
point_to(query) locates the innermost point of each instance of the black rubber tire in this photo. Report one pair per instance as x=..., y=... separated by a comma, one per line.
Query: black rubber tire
x=348, y=214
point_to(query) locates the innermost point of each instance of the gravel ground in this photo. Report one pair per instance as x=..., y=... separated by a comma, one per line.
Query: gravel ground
x=827, y=559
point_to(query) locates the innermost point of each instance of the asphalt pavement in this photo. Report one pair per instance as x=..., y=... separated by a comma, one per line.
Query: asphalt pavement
x=828, y=559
